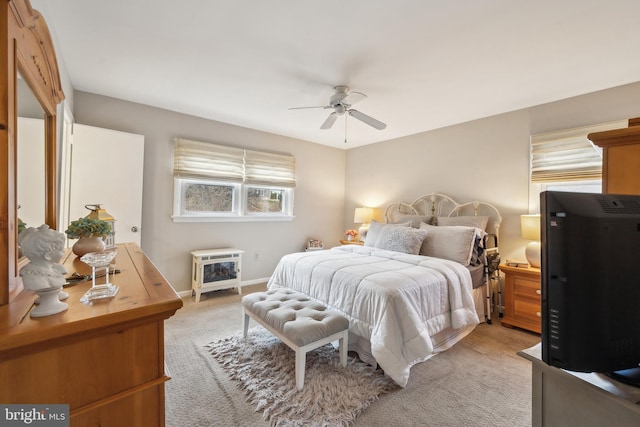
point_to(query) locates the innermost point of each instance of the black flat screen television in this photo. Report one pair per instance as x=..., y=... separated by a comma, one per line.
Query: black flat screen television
x=590, y=271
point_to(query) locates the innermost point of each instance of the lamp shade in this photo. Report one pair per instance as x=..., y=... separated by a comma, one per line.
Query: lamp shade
x=530, y=227
x=363, y=215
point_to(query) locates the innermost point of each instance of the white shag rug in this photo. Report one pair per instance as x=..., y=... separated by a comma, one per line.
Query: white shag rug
x=265, y=368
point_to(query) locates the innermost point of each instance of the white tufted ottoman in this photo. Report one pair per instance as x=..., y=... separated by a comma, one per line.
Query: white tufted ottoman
x=301, y=323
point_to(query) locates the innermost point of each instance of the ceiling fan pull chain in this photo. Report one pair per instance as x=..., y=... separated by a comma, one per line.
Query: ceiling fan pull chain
x=345, y=127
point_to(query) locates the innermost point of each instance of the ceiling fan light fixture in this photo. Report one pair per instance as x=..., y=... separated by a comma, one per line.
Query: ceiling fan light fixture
x=341, y=102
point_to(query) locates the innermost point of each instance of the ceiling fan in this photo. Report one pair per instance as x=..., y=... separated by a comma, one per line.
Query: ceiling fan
x=341, y=102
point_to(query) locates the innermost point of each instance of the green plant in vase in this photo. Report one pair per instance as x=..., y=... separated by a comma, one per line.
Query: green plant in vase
x=21, y=225
x=87, y=227
x=89, y=232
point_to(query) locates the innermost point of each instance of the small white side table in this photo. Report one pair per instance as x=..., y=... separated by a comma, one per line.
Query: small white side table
x=216, y=269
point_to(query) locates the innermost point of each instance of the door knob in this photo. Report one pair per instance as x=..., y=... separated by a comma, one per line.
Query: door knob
x=134, y=229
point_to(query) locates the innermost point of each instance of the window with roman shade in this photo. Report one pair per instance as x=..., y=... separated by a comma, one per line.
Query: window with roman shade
x=217, y=182
x=269, y=169
x=566, y=161
x=194, y=159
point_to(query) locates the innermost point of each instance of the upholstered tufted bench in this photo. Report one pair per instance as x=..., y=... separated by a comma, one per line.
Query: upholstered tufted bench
x=300, y=322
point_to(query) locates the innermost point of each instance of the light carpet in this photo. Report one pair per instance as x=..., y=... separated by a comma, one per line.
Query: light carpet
x=479, y=382
x=332, y=395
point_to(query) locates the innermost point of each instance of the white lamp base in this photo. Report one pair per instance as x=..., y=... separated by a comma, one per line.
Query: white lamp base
x=532, y=252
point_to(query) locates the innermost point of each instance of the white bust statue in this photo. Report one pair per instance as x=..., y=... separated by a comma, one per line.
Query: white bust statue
x=44, y=248
x=43, y=275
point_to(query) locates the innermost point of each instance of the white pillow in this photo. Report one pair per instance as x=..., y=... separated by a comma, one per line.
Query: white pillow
x=454, y=243
x=374, y=230
x=414, y=220
x=401, y=239
x=468, y=221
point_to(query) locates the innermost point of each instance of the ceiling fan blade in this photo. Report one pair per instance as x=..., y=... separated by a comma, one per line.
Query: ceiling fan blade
x=353, y=97
x=304, y=108
x=367, y=119
x=330, y=121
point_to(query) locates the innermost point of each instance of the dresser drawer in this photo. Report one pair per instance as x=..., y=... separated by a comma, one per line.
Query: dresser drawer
x=525, y=288
x=527, y=311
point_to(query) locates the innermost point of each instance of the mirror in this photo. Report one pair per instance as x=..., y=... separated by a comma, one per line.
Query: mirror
x=30, y=169
x=32, y=185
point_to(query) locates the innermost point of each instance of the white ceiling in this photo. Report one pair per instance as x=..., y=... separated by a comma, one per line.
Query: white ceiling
x=424, y=64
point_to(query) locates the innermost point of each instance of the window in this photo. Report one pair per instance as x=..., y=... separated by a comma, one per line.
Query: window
x=219, y=183
x=266, y=200
x=207, y=197
x=566, y=161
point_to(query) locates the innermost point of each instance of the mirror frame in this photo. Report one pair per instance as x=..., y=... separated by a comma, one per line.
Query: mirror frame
x=27, y=46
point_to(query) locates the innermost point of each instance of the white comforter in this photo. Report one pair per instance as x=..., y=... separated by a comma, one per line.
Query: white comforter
x=396, y=301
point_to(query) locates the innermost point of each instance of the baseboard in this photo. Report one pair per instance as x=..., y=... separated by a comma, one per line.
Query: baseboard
x=187, y=293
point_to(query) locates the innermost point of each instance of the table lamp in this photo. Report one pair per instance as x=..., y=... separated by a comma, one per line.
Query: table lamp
x=363, y=216
x=530, y=229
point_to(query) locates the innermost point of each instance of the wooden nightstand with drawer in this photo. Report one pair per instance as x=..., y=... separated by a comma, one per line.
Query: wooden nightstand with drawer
x=522, y=298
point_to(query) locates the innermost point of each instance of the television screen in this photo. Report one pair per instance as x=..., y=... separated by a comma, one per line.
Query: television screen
x=590, y=270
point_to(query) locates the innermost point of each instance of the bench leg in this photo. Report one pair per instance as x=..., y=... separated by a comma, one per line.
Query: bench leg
x=344, y=348
x=245, y=323
x=301, y=358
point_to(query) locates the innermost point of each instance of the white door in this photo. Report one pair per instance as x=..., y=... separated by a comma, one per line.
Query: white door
x=106, y=169
x=31, y=177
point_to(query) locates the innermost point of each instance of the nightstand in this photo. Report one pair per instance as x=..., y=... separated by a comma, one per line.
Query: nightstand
x=351, y=242
x=522, y=298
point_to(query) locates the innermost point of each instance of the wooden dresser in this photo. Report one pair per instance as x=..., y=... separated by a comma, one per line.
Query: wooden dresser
x=105, y=359
x=522, y=302
x=621, y=158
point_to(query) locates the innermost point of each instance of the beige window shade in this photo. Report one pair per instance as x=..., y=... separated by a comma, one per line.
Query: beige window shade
x=195, y=159
x=269, y=169
x=568, y=155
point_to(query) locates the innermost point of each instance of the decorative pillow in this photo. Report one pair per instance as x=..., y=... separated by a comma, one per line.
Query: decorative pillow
x=454, y=243
x=414, y=220
x=468, y=221
x=401, y=239
x=374, y=230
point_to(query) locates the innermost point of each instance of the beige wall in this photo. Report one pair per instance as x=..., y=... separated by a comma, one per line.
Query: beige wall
x=319, y=195
x=486, y=159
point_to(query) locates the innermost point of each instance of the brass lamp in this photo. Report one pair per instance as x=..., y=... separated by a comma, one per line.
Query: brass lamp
x=530, y=229
x=363, y=216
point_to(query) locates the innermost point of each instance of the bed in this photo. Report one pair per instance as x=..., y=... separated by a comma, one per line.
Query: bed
x=418, y=285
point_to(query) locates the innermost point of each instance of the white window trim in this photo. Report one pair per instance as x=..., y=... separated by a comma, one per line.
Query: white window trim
x=240, y=197
x=223, y=218
x=536, y=188
x=287, y=207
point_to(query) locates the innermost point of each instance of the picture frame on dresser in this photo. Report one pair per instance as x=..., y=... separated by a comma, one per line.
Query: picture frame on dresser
x=314, y=245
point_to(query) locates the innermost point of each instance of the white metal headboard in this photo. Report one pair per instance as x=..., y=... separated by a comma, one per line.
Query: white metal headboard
x=436, y=204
